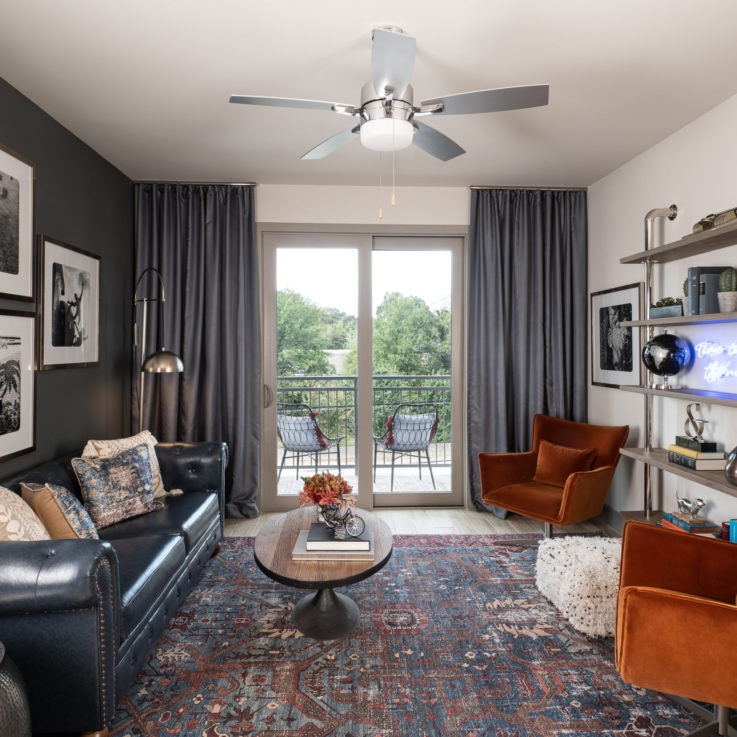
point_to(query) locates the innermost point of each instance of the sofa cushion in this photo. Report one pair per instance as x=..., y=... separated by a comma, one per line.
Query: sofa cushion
x=108, y=448
x=61, y=513
x=18, y=522
x=118, y=487
x=146, y=567
x=555, y=463
x=188, y=514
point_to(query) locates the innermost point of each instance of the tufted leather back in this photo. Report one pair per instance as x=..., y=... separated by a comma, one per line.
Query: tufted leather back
x=59, y=471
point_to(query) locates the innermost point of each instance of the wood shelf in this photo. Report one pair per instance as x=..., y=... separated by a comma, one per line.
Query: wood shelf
x=658, y=457
x=690, y=245
x=682, y=320
x=691, y=395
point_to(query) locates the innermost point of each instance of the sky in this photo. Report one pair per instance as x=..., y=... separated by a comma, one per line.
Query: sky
x=329, y=276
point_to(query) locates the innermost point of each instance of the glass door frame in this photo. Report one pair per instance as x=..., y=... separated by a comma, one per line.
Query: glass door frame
x=365, y=243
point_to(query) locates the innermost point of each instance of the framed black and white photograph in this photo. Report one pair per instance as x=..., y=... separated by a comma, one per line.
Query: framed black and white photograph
x=69, y=305
x=615, y=349
x=17, y=384
x=16, y=225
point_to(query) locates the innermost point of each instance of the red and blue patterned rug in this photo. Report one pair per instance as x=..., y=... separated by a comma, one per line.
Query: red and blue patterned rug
x=454, y=641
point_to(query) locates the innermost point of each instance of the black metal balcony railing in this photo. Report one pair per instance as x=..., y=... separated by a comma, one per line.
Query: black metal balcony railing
x=336, y=400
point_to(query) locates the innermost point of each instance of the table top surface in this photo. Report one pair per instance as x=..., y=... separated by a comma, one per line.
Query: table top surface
x=274, y=543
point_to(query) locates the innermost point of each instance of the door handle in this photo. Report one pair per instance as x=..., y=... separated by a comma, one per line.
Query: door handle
x=268, y=396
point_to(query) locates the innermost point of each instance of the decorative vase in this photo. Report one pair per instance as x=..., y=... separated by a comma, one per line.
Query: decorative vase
x=727, y=301
x=730, y=470
x=15, y=716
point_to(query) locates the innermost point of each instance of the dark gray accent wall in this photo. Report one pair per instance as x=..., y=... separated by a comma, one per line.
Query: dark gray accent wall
x=83, y=200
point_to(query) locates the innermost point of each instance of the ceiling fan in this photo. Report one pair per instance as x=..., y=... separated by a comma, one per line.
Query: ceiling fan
x=387, y=115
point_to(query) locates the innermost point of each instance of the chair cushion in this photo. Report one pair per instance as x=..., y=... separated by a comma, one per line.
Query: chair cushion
x=189, y=515
x=530, y=498
x=118, y=487
x=146, y=568
x=61, y=513
x=555, y=463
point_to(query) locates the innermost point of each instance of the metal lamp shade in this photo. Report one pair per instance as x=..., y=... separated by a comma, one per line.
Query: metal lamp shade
x=163, y=362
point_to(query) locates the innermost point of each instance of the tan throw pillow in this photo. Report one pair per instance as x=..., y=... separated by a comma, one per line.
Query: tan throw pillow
x=109, y=448
x=18, y=522
x=61, y=513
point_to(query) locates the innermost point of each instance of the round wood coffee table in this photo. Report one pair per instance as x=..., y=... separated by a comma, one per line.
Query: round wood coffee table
x=326, y=614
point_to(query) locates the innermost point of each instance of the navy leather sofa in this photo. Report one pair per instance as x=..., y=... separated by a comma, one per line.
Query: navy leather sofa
x=79, y=617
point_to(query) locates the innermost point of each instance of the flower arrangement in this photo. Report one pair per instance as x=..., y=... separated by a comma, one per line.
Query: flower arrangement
x=325, y=488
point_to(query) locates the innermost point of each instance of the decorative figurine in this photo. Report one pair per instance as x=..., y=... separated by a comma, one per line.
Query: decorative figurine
x=694, y=426
x=690, y=507
x=346, y=520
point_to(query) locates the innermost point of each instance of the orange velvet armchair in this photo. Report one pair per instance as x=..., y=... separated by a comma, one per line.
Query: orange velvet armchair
x=516, y=482
x=676, y=628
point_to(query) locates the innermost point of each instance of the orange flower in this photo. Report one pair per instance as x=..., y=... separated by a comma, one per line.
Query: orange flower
x=325, y=488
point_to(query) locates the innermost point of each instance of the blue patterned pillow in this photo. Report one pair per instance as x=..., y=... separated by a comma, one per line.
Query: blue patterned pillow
x=118, y=487
x=60, y=511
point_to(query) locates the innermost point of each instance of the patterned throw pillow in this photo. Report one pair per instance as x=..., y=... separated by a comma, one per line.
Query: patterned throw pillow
x=17, y=520
x=60, y=511
x=108, y=448
x=116, y=488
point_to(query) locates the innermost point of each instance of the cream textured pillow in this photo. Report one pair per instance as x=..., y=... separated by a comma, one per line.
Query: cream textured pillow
x=17, y=520
x=109, y=448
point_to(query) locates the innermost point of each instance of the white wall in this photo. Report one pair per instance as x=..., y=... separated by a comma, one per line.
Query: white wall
x=294, y=203
x=695, y=168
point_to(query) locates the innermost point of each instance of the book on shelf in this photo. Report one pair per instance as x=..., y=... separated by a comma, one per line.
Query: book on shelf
x=300, y=552
x=696, y=464
x=701, y=446
x=670, y=526
x=701, y=525
x=320, y=537
x=698, y=454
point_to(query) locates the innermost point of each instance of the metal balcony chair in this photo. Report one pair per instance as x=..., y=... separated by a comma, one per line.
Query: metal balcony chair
x=297, y=428
x=409, y=430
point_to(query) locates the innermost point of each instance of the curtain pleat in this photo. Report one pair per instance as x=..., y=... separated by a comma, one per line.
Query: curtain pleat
x=202, y=239
x=527, y=306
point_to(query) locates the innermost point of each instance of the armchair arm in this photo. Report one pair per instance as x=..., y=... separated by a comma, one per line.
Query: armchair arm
x=677, y=643
x=59, y=615
x=678, y=561
x=195, y=467
x=584, y=495
x=501, y=469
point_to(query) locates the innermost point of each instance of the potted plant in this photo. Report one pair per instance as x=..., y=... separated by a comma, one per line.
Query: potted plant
x=667, y=307
x=728, y=290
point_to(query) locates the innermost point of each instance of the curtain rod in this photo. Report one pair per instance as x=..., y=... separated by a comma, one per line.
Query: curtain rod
x=554, y=189
x=231, y=184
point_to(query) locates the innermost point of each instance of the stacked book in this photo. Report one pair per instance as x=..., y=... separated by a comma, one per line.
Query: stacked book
x=318, y=543
x=684, y=523
x=698, y=455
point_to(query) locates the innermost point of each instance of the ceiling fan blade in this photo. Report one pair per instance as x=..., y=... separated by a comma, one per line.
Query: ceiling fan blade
x=286, y=102
x=392, y=60
x=492, y=101
x=332, y=144
x=435, y=143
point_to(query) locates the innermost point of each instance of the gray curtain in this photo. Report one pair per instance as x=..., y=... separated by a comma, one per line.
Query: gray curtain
x=202, y=239
x=527, y=326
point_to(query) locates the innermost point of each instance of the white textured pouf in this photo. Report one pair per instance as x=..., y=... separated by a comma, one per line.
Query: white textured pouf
x=580, y=576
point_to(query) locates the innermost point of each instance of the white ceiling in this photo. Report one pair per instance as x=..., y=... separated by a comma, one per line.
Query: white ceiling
x=146, y=82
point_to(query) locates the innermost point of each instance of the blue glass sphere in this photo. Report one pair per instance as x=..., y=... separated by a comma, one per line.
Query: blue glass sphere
x=666, y=354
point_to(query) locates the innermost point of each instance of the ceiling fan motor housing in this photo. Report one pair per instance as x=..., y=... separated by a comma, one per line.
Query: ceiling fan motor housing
x=386, y=121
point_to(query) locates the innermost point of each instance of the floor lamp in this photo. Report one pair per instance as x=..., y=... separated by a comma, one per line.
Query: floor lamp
x=161, y=361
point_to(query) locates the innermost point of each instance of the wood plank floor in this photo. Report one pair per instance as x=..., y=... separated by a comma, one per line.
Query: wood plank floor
x=433, y=522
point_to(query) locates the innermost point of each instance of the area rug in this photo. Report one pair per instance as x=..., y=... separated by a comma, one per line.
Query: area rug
x=454, y=641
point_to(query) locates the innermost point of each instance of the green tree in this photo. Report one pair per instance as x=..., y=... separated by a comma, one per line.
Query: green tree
x=340, y=328
x=301, y=340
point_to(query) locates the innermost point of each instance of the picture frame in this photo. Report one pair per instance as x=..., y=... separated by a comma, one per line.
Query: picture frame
x=615, y=350
x=17, y=175
x=69, y=306
x=17, y=383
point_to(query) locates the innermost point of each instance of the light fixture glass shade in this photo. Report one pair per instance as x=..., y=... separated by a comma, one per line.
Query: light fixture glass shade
x=163, y=362
x=387, y=134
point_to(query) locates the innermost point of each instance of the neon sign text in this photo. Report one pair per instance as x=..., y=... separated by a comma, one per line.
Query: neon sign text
x=717, y=369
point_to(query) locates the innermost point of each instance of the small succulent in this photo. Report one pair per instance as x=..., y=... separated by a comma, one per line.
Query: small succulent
x=668, y=302
x=728, y=280
x=685, y=287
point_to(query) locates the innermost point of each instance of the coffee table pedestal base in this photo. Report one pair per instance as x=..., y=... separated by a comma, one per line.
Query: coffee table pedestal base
x=326, y=615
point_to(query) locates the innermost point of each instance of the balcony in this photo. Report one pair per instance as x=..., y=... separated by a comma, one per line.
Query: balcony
x=334, y=399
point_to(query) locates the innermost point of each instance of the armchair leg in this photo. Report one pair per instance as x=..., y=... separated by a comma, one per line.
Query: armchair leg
x=391, y=488
x=429, y=465
x=717, y=720
x=281, y=465
x=338, y=450
x=527, y=541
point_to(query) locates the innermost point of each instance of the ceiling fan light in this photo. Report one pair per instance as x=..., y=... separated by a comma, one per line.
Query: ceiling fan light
x=387, y=134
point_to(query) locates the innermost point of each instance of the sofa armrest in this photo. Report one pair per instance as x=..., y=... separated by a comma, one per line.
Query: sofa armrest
x=195, y=467
x=502, y=469
x=59, y=616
